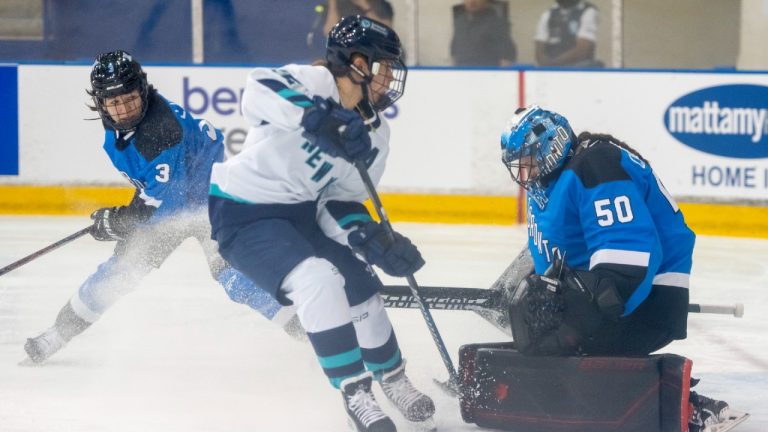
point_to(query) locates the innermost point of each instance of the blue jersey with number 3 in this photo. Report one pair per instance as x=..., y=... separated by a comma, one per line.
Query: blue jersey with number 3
x=608, y=210
x=168, y=157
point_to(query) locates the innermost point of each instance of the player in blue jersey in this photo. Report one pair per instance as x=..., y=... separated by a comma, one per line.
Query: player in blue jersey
x=287, y=211
x=167, y=156
x=611, y=250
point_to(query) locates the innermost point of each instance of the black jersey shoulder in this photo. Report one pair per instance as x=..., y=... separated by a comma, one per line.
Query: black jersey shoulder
x=597, y=164
x=160, y=129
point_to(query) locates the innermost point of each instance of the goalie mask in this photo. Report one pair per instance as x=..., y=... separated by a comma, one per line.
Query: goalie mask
x=534, y=147
x=384, y=53
x=119, y=90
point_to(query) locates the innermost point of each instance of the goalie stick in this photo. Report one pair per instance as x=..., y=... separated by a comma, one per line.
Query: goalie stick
x=489, y=303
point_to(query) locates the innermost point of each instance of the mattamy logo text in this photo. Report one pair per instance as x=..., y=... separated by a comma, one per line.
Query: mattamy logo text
x=728, y=120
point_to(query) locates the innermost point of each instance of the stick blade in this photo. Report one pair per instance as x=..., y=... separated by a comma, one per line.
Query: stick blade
x=448, y=387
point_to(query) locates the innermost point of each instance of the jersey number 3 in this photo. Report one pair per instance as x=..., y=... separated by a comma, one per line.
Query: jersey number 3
x=605, y=210
x=163, y=172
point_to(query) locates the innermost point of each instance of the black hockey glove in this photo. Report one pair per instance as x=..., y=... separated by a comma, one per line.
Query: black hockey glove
x=535, y=310
x=111, y=223
x=398, y=257
x=337, y=131
x=553, y=316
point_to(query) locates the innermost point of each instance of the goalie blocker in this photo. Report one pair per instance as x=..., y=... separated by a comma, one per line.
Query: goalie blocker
x=504, y=389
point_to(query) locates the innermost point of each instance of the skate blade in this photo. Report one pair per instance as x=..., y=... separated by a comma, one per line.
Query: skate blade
x=427, y=425
x=735, y=418
x=28, y=362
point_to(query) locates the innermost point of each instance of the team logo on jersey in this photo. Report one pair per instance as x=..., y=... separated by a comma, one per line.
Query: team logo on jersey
x=727, y=120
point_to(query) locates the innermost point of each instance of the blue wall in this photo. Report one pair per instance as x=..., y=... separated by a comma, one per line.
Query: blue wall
x=9, y=121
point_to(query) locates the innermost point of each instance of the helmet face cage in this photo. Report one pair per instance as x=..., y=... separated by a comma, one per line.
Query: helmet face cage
x=537, y=141
x=388, y=75
x=520, y=167
x=114, y=74
x=381, y=47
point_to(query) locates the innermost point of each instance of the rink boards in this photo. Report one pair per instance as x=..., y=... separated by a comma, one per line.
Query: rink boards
x=706, y=134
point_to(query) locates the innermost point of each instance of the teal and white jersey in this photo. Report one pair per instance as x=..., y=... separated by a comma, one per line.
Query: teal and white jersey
x=277, y=165
x=607, y=211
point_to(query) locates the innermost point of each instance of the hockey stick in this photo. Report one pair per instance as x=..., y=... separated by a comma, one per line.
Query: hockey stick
x=481, y=299
x=737, y=309
x=45, y=250
x=453, y=382
x=486, y=303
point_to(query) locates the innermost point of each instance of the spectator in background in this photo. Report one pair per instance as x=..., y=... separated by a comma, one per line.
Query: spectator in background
x=222, y=39
x=566, y=35
x=481, y=35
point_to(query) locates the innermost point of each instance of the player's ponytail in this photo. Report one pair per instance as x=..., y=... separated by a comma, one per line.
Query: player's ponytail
x=588, y=139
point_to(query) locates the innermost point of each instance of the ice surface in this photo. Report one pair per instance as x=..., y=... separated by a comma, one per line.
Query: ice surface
x=177, y=355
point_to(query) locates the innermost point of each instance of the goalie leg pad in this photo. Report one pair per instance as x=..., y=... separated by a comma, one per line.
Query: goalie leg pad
x=504, y=389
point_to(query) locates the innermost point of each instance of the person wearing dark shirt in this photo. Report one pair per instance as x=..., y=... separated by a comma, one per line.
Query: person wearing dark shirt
x=566, y=35
x=481, y=35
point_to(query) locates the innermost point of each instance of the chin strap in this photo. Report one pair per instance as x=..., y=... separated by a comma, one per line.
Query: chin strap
x=370, y=115
x=364, y=107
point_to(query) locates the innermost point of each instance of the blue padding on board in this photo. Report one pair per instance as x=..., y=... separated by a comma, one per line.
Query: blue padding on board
x=9, y=120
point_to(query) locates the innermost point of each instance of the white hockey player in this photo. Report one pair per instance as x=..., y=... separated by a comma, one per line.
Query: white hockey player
x=287, y=211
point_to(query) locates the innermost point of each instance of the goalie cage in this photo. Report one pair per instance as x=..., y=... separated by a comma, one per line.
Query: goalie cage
x=505, y=390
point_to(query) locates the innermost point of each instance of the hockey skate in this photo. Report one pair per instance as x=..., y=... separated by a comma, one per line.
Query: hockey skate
x=365, y=414
x=41, y=347
x=709, y=415
x=415, y=406
x=68, y=325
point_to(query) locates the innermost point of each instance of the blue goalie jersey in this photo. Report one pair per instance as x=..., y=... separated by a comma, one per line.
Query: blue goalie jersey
x=168, y=157
x=608, y=211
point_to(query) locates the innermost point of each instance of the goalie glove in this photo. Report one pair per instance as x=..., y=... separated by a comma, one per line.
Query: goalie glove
x=397, y=257
x=538, y=306
x=552, y=314
x=111, y=224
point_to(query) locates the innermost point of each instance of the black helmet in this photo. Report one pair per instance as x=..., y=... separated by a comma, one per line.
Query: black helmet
x=356, y=34
x=113, y=74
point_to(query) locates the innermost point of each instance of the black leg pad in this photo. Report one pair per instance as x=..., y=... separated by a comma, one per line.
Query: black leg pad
x=503, y=389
